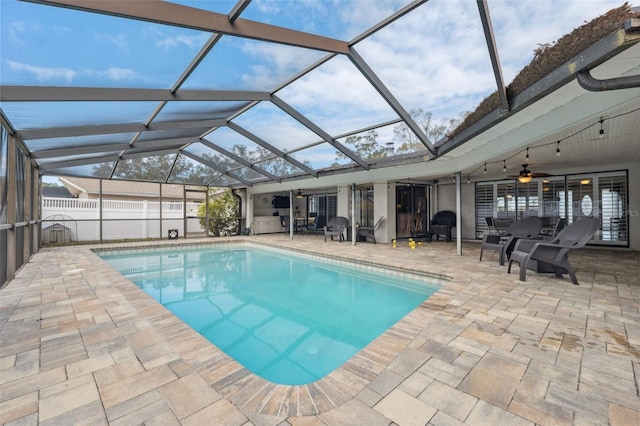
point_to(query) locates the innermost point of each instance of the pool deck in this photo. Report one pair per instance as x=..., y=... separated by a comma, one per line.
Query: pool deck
x=79, y=344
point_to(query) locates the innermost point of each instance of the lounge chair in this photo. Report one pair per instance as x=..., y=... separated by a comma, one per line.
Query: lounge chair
x=555, y=252
x=442, y=223
x=336, y=226
x=368, y=233
x=503, y=243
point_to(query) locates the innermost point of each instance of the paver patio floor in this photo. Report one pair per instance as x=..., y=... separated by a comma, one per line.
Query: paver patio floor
x=80, y=344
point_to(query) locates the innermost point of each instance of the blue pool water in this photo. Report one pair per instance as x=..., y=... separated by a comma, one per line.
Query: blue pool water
x=289, y=319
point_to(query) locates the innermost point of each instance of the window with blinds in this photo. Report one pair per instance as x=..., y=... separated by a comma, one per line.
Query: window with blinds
x=527, y=200
x=484, y=207
x=505, y=200
x=603, y=195
x=612, y=193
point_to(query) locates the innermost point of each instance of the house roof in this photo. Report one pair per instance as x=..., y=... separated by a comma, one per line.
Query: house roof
x=56, y=192
x=205, y=126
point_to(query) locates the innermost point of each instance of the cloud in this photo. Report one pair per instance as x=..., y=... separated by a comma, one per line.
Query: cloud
x=45, y=73
x=117, y=74
x=120, y=41
x=434, y=58
x=19, y=29
x=190, y=41
x=67, y=75
x=521, y=27
x=274, y=63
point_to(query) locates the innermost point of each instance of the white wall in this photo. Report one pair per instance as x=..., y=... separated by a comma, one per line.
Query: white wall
x=344, y=209
x=446, y=200
x=381, y=209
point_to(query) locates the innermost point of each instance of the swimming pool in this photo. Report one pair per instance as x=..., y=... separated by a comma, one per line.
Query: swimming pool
x=288, y=318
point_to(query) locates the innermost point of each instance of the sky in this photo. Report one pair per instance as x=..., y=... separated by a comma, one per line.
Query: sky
x=434, y=59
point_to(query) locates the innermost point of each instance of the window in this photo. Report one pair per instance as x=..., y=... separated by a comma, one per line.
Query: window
x=602, y=195
x=612, y=192
x=484, y=207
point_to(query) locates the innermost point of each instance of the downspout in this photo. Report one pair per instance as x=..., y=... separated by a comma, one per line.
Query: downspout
x=592, y=84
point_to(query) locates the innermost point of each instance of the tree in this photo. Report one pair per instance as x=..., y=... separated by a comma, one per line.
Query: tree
x=409, y=142
x=365, y=146
x=223, y=213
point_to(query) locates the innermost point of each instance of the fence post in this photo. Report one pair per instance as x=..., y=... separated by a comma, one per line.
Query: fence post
x=145, y=215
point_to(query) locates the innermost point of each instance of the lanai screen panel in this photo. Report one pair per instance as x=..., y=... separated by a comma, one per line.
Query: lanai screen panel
x=338, y=98
x=152, y=168
x=97, y=170
x=199, y=110
x=243, y=64
x=211, y=156
x=224, y=180
x=237, y=144
x=432, y=62
x=59, y=46
x=322, y=156
x=280, y=167
x=276, y=127
x=52, y=114
x=250, y=175
x=36, y=145
x=342, y=19
x=434, y=58
x=382, y=142
x=189, y=171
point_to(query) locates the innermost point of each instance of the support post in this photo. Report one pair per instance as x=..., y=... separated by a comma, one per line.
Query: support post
x=291, y=214
x=100, y=211
x=458, y=214
x=353, y=214
x=12, y=195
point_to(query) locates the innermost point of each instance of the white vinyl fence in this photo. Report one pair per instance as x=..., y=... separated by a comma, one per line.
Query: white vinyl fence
x=120, y=219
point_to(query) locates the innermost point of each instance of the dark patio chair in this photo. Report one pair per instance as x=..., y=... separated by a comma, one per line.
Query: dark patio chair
x=368, y=233
x=551, y=233
x=441, y=224
x=317, y=225
x=284, y=223
x=503, y=243
x=501, y=224
x=554, y=253
x=336, y=226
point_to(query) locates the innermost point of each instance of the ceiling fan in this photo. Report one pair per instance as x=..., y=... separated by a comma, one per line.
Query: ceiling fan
x=525, y=175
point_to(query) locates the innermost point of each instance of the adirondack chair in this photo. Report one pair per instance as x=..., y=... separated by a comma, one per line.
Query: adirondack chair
x=528, y=227
x=555, y=252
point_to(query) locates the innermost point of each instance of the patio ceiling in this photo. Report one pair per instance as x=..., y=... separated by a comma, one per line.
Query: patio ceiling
x=206, y=118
